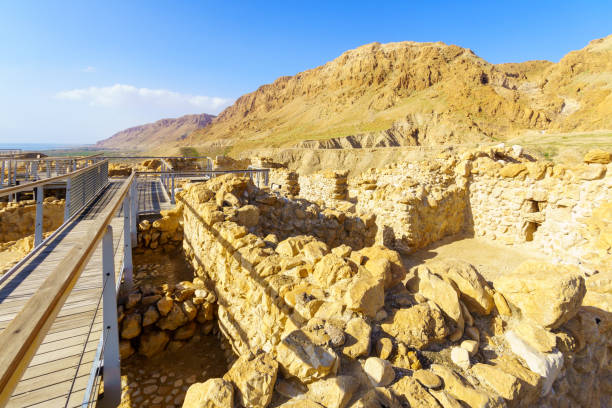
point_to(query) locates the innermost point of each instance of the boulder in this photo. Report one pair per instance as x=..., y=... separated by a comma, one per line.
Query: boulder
x=384, y=348
x=474, y=290
x=299, y=357
x=125, y=349
x=504, y=384
x=330, y=269
x=332, y=392
x=254, y=379
x=597, y=156
x=174, y=319
x=410, y=390
x=418, y=326
x=314, y=251
x=365, y=294
x=379, y=371
x=427, y=379
x=547, y=365
x=461, y=390
x=151, y=315
x=130, y=328
x=441, y=292
x=153, y=342
x=461, y=357
x=214, y=393
x=357, y=338
x=547, y=294
x=398, y=272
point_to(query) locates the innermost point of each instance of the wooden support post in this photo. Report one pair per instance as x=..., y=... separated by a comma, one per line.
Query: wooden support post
x=112, y=366
x=38, y=229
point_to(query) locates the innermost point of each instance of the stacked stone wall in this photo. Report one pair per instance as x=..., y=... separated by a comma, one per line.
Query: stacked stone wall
x=18, y=220
x=325, y=186
x=285, y=182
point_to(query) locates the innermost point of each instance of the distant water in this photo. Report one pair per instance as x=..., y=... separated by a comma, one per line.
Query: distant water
x=36, y=146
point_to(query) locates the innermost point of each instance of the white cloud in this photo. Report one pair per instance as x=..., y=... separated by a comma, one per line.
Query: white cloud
x=145, y=99
x=89, y=69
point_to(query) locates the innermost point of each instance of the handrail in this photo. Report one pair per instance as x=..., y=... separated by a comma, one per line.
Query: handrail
x=42, y=182
x=20, y=340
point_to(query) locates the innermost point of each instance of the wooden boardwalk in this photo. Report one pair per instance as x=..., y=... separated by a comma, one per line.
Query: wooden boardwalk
x=59, y=372
x=152, y=197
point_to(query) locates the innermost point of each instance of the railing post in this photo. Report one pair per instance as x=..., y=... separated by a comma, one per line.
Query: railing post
x=15, y=175
x=2, y=174
x=134, y=212
x=57, y=171
x=48, y=166
x=112, y=367
x=127, y=240
x=172, y=192
x=38, y=229
x=67, y=200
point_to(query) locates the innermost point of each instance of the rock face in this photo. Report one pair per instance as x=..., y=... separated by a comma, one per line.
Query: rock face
x=154, y=134
x=444, y=87
x=548, y=294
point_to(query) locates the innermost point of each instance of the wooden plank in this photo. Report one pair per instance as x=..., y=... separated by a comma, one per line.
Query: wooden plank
x=48, y=376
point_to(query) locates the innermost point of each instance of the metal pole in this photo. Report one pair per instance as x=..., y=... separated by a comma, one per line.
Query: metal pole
x=48, y=166
x=112, y=366
x=127, y=241
x=38, y=231
x=15, y=175
x=67, y=201
x=134, y=212
x=172, y=193
x=2, y=174
x=57, y=172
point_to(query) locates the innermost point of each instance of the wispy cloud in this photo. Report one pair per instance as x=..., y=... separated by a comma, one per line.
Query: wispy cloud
x=120, y=95
x=89, y=69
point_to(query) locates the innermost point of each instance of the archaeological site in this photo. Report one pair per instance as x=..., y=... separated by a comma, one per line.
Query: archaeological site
x=405, y=226
x=477, y=278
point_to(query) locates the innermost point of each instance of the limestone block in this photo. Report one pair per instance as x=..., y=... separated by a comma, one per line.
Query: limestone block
x=333, y=392
x=214, y=393
x=418, y=326
x=254, y=379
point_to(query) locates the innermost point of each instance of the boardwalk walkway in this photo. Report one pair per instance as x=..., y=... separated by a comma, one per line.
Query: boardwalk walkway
x=58, y=374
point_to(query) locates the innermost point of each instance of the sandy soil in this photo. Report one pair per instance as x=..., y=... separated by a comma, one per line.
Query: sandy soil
x=490, y=258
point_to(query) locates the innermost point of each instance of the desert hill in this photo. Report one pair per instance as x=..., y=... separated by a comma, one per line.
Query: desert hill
x=411, y=93
x=157, y=133
x=402, y=94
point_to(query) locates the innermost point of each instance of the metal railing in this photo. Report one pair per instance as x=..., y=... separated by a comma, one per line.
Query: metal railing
x=38, y=168
x=21, y=339
x=168, y=177
x=82, y=186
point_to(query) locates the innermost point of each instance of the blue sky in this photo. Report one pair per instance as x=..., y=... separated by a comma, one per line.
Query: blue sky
x=76, y=72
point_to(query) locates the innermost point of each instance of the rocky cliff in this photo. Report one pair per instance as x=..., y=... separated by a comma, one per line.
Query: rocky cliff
x=157, y=133
x=411, y=93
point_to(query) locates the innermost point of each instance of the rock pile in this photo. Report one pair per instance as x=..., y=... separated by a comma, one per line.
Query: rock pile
x=165, y=233
x=18, y=220
x=155, y=318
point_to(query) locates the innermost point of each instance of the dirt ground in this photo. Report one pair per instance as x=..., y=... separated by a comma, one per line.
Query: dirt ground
x=490, y=258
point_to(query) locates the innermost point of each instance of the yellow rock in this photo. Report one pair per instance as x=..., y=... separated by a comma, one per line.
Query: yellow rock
x=214, y=393
x=597, y=156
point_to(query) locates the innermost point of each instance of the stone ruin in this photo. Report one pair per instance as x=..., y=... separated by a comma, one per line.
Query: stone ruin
x=315, y=307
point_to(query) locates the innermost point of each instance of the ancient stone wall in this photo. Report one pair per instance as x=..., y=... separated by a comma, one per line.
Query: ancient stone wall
x=259, y=264
x=18, y=220
x=326, y=186
x=285, y=182
x=559, y=210
x=415, y=204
